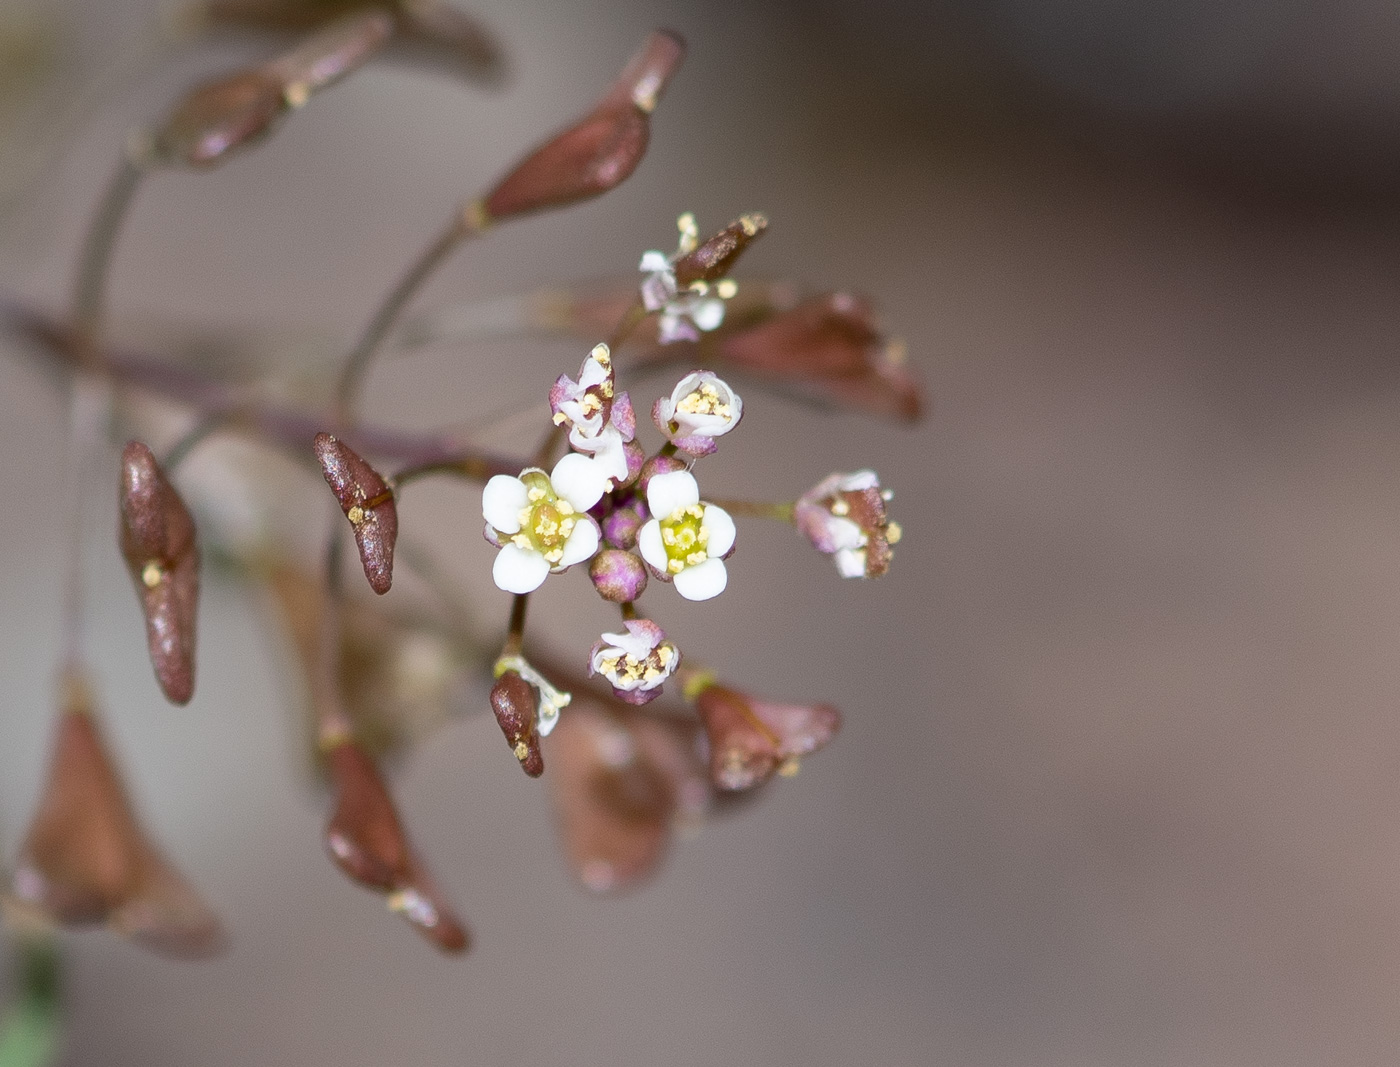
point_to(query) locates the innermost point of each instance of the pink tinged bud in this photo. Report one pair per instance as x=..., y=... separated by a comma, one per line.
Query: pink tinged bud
x=621, y=525
x=368, y=503
x=157, y=539
x=714, y=258
x=86, y=860
x=220, y=117
x=833, y=344
x=516, y=705
x=368, y=843
x=749, y=739
x=602, y=149
x=618, y=576
x=659, y=465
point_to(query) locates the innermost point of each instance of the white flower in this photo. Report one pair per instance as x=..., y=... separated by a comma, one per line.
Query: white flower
x=843, y=515
x=683, y=314
x=538, y=520
x=700, y=408
x=686, y=541
x=600, y=421
x=636, y=662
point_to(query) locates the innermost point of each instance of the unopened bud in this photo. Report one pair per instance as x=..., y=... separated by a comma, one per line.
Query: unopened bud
x=515, y=703
x=618, y=576
x=368, y=503
x=157, y=538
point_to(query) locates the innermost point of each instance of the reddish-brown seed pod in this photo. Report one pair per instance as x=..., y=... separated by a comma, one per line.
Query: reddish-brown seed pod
x=219, y=117
x=157, y=538
x=832, y=343
x=749, y=738
x=602, y=149
x=85, y=859
x=367, y=842
x=516, y=706
x=368, y=503
x=715, y=257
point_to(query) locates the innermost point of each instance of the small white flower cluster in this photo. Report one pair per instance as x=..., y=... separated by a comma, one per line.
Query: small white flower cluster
x=683, y=314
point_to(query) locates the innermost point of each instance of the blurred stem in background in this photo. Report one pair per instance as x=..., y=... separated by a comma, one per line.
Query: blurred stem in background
x=31, y=1025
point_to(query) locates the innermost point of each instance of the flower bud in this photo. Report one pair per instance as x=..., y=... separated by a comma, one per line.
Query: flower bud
x=85, y=859
x=620, y=526
x=157, y=539
x=602, y=149
x=715, y=257
x=367, y=842
x=368, y=503
x=658, y=465
x=618, y=576
x=516, y=706
x=749, y=739
x=831, y=343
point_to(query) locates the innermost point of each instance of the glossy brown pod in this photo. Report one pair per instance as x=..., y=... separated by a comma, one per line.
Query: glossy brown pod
x=515, y=704
x=750, y=739
x=367, y=842
x=368, y=503
x=599, y=151
x=715, y=257
x=85, y=860
x=157, y=538
x=833, y=344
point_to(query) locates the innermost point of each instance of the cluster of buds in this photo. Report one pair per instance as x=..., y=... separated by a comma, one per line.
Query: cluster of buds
x=593, y=494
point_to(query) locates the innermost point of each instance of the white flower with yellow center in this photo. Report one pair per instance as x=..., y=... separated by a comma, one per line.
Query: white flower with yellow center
x=686, y=541
x=683, y=314
x=636, y=662
x=539, y=521
x=700, y=408
x=599, y=419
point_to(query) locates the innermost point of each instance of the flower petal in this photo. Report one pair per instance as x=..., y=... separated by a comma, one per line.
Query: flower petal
x=652, y=548
x=502, y=501
x=667, y=492
x=702, y=582
x=707, y=314
x=850, y=562
x=654, y=261
x=721, y=529
x=519, y=570
x=581, y=545
x=579, y=480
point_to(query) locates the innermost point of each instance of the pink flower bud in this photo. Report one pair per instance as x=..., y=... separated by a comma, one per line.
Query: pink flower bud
x=367, y=842
x=515, y=703
x=602, y=149
x=831, y=343
x=658, y=465
x=85, y=859
x=368, y=503
x=157, y=538
x=749, y=739
x=621, y=525
x=618, y=576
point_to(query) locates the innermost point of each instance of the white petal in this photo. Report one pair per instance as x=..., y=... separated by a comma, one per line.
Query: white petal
x=502, y=501
x=650, y=545
x=667, y=492
x=581, y=545
x=702, y=582
x=579, y=480
x=720, y=526
x=638, y=646
x=850, y=562
x=654, y=261
x=691, y=422
x=519, y=570
x=845, y=534
x=708, y=313
x=856, y=480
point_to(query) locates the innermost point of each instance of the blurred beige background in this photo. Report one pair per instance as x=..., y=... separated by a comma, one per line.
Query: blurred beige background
x=1118, y=780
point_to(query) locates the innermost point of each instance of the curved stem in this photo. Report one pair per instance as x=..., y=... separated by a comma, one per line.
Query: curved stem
x=782, y=511
x=463, y=225
x=476, y=466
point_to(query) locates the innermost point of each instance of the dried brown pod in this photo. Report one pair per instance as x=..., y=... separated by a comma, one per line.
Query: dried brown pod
x=621, y=781
x=832, y=343
x=750, y=739
x=599, y=151
x=515, y=703
x=219, y=117
x=157, y=537
x=368, y=502
x=85, y=859
x=367, y=842
x=430, y=32
x=714, y=257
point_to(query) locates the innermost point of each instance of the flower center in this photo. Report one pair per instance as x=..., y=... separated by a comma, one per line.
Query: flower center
x=546, y=521
x=684, y=538
x=704, y=399
x=626, y=670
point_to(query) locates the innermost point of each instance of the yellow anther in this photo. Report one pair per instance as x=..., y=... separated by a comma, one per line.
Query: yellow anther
x=601, y=354
x=522, y=751
x=675, y=566
x=668, y=535
x=726, y=289
x=840, y=507
x=789, y=767
x=606, y=388
x=535, y=495
x=751, y=224
x=695, y=559
x=893, y=532
x=520, y=540
x=296, y=94
x=356, y=515
x=560, y=418
x=152, y=574
x=554, y=555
